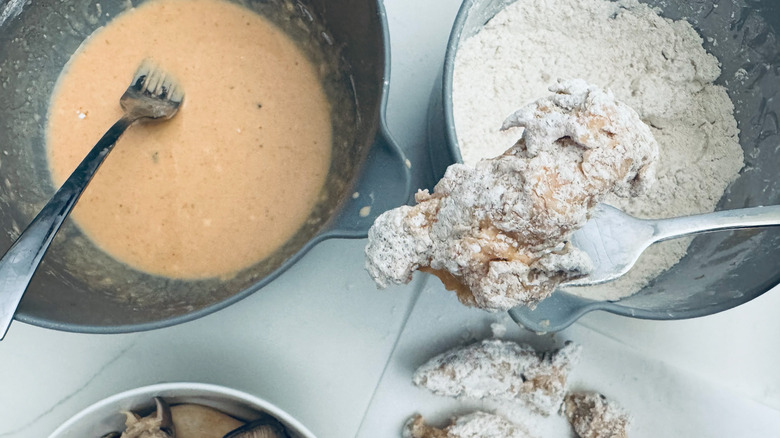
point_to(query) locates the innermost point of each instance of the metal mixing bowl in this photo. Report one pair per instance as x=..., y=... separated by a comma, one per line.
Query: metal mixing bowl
x=721, y=270
x=79, y=288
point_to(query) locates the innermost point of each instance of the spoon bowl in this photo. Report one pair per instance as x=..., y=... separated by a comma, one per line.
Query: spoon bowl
x=614, y=240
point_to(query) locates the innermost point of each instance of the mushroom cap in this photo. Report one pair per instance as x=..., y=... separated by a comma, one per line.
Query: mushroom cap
x=198, y=421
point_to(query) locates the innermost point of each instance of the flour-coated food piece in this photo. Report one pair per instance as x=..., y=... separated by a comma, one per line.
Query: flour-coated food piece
x=594, y=416
x=501, y=370
x=497, y=233
x=474, y=425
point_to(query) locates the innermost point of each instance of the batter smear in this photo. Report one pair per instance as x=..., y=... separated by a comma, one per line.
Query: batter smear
x=228, y=180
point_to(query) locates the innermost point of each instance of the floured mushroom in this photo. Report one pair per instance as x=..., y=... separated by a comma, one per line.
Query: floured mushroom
x=475, y=425
x=195, y=421
x=498, y=233
x=501, y=370
x=592, y=415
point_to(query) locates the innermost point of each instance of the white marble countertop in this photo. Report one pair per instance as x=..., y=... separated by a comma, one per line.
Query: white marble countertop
x=325, y=345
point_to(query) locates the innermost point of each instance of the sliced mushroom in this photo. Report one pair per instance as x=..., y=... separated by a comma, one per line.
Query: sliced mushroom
x=164, y=417
x=158, y=426
x=196, y=421
x=265, y=427
x=199, y=421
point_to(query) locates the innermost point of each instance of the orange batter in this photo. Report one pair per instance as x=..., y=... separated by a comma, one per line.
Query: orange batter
x=232, y=176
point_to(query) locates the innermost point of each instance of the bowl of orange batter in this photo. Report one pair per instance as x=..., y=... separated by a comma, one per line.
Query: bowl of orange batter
x=279, y=144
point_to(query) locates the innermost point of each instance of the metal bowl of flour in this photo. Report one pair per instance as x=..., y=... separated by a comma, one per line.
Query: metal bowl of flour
x=78, y=287
x=720, y=270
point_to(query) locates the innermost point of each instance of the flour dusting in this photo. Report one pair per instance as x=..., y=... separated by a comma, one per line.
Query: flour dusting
x=11, y=9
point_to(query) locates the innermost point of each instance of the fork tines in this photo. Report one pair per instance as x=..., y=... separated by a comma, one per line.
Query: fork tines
x=152, y=80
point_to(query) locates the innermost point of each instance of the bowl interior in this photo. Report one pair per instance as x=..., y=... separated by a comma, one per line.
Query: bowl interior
x=721, y=270
x=105, y=415
x=78, y=287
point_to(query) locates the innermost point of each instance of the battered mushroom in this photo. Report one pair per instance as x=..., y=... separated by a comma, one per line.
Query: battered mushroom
x=497, y=233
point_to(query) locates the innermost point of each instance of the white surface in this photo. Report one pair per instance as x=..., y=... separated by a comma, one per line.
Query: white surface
x=314, y=345
x=668, y=392
x=316, y=341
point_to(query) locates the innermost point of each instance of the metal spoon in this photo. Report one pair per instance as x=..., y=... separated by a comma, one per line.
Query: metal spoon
x=151, y=95
x=614, y=240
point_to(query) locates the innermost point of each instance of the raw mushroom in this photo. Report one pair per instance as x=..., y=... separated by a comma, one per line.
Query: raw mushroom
x=196, y=421
x=199, y=421
x=159, y=425
x=266, y=427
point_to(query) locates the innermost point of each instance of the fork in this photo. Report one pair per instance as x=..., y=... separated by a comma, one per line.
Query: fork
x=614, y=240
x=152, y=94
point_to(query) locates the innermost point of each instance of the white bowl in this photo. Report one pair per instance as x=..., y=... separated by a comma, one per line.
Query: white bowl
x=104, y=416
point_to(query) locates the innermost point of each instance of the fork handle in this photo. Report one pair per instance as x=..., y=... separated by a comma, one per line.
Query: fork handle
x=19, y=263
x=720, y=220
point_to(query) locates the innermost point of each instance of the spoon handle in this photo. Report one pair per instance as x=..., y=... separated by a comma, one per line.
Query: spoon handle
x=19, y=263
x=719, y=220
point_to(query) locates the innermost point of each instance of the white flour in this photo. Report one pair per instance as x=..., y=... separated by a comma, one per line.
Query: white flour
x=655, y=65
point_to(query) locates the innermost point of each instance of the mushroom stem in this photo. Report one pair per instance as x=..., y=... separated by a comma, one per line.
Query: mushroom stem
x=164, y=417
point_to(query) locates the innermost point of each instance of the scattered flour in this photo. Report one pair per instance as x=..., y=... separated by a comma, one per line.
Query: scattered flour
x=655, y=65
